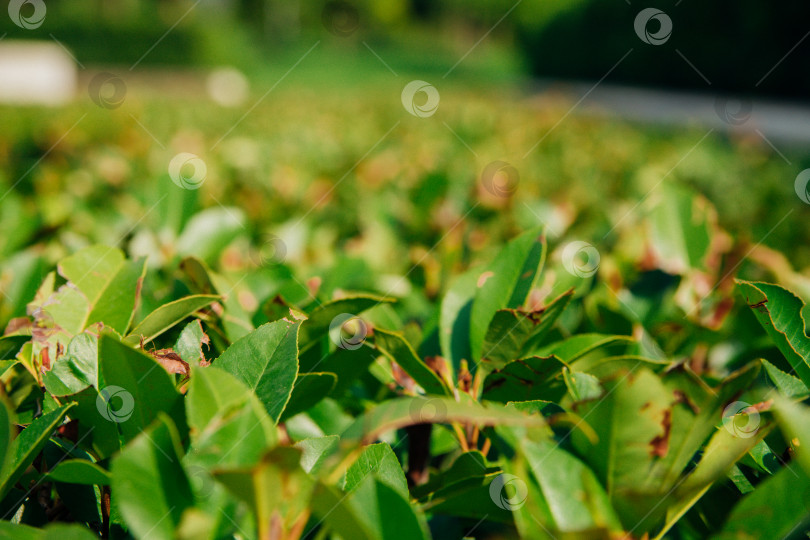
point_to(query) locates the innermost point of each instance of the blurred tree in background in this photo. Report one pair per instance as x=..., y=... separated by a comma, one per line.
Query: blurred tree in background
x=731, y=46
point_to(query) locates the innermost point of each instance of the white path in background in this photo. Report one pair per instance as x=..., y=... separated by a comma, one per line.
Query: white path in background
x=780, y=121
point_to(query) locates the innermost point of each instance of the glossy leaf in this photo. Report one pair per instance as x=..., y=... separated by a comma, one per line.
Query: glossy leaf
x=401, y=412
x=564, y=491
x=505, y=284
x=229, y=424
x=526, y=380
x=582, y=386
x=141, y=384
x=151, y=489
x=266, y=360
x=773, y=510
x=787, y=384
x=308, y=390
x=28, y=444
x=373, y=511
x=79, y=471
x=276, y=490
x=166, y=316
x=318, y=321
x=512, y=334
x=110, y=284
x=379, y=461
x=575, y=347
x=779, y=311
x=396, y=347
x=456, y=309
x=315, y=451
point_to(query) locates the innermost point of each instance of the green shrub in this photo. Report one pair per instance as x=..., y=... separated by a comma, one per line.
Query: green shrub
x=510, y=406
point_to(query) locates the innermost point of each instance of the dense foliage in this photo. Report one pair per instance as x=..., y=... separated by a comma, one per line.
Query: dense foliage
x=332, y=338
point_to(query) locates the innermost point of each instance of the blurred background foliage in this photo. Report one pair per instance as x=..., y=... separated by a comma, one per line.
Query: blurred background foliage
x=733, y=43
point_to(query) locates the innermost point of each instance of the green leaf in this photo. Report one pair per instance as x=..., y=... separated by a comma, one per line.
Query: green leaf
x=762, y=457
x=723, y=450
x=649, y=428
x=229, y=424
x=630, y=421
x=208, y=232
x=582, y=386
x=141, y=384
x=117, y=303
x=454, y=327
x=794, y=421
x=505, y=284
x=95, y=432
x=779, y=311
x=526, y=380
x=199, y=274
x=266, y=360
x=79, y=471
x=237, y=436
x=276, y=490
x=318, y=322
x=190, y=343
x=563, y=490
x=788, y=385
x=741, y=482
x=77, y=369
x=406, y=411
x=235, y=320
x=166, y=316
x=10, y=345
x=149, y=486
x=309, y=389
x=348, y=365
x=468, y=497
x=513, y=333
x=682, y=229
x=395, y=347
x=314, y=451
x=694, y=413
x=575, y=347
x=330, y=417
x=28, y=444
x=466, y=465
x=606, y=367
x=110, y=284
x=6, y=434
x=379, y=461
x=91, y=269
x=211, y=391
x=775, y=509
x=69, y=309
x=22, y=273
x=373, y=511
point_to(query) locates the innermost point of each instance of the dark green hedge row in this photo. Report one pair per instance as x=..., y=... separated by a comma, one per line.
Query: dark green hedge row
x=733, y=43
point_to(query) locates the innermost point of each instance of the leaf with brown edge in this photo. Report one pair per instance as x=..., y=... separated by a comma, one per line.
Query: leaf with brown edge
x=190, y=344
x=513, y=333
x=526, y=379
x=779, y=311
